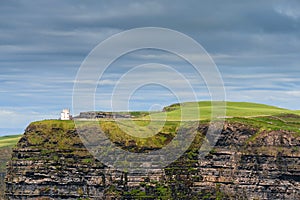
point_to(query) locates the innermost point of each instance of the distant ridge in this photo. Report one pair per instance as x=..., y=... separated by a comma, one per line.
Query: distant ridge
x=233, y=109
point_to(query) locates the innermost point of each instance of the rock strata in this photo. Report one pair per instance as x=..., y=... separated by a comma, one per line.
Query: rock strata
x=244, y=164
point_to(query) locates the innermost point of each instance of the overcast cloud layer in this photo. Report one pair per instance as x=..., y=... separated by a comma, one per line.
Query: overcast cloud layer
x=255, y=44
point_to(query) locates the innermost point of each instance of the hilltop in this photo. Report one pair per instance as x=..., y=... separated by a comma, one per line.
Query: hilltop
x=233, y=109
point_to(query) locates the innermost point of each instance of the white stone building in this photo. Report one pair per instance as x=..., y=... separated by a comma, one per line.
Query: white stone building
x=65, y=114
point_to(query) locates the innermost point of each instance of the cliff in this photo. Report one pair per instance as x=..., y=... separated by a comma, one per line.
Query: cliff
x=250, y=161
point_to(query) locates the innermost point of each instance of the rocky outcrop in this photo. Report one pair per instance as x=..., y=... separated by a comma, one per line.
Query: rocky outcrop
x=99, y=114
x=245, y=163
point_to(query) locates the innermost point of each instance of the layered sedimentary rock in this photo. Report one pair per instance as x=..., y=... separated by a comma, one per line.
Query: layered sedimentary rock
x=268, y=167
x=246, y=163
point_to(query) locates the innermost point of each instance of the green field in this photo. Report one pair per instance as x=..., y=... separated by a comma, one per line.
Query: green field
x=233, y=109
x=9, y=141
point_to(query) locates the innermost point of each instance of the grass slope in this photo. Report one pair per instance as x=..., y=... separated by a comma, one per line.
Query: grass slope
x=288, y=122
x=233, y=109
x=59, y=134
x=9, y=141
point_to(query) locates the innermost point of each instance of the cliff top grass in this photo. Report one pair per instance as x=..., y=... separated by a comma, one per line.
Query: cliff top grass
x=59, y=133
x=287, y=122
x=233, y=109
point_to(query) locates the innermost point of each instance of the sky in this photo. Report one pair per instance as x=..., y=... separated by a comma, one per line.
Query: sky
x=254, y=44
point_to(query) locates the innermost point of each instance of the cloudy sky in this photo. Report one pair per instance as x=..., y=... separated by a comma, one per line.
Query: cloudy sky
x=255, y=45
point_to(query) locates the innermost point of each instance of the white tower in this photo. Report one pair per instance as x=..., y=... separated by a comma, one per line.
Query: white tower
x=65, y=114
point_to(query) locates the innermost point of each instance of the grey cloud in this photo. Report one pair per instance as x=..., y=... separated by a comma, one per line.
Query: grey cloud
x=68, y=27
x=42, y=44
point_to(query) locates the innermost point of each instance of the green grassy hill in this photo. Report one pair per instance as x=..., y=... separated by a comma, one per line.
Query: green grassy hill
x=297, y=112
x=233, y=109
x=9, y=141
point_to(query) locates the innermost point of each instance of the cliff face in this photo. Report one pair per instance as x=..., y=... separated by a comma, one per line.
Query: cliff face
x=246, y=163
x=268, y=167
